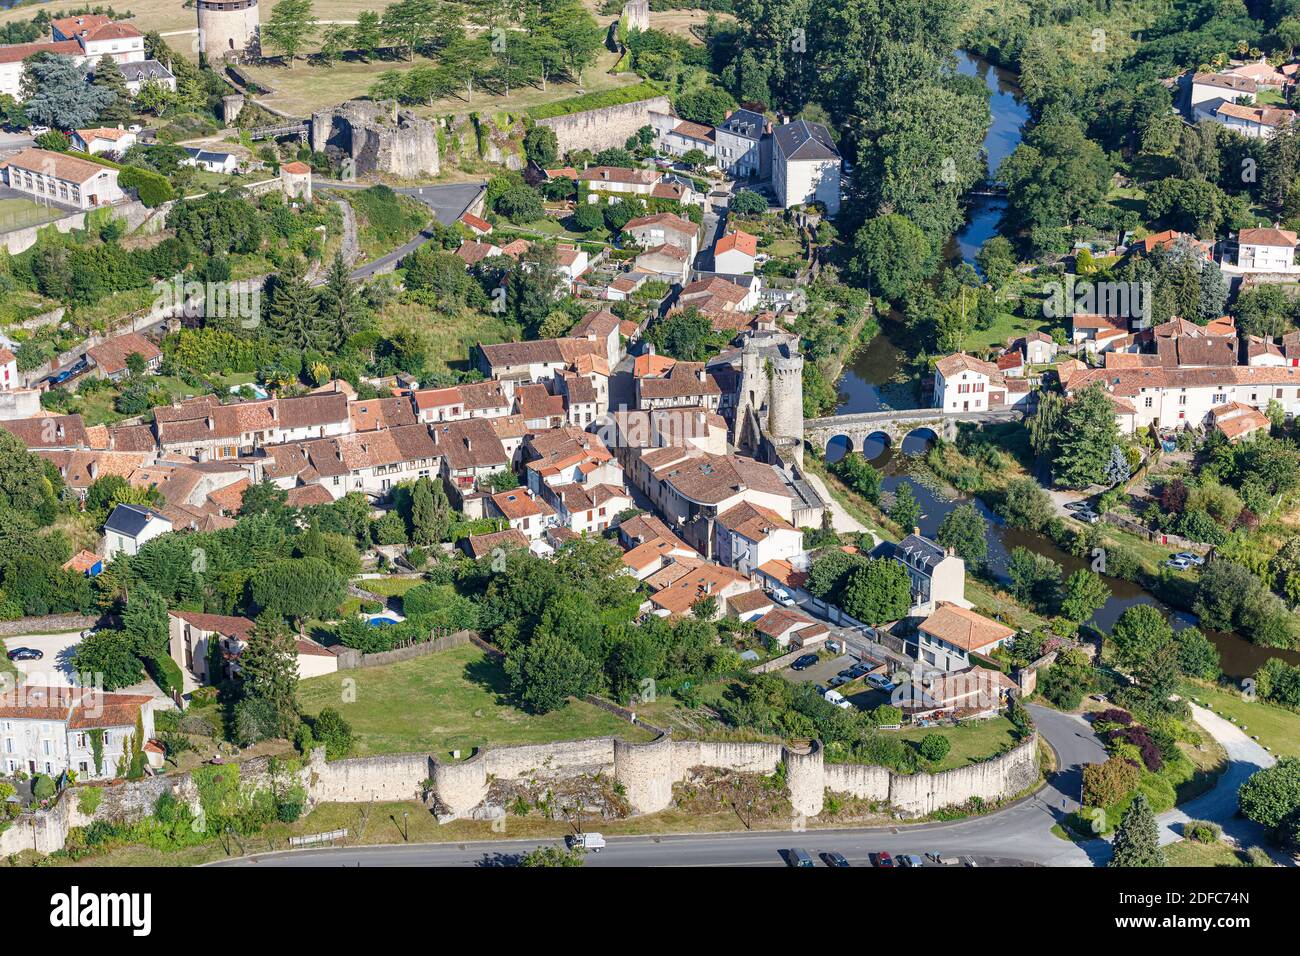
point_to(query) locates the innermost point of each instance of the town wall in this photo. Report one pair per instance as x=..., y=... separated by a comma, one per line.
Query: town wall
x=647, y=771
x=603, y=128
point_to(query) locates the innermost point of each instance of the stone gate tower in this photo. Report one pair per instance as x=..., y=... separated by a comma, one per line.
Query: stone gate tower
x=228, y=29
x=769, y=402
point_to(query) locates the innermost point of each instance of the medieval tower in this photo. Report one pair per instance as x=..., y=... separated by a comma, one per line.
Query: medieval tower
x=769, y=403
x=228, y=29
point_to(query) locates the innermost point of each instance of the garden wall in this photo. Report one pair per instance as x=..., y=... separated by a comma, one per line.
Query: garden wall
x=350, y=658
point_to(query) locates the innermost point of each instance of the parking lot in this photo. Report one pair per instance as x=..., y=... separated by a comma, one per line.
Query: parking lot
x=54, y=669
x=858, y=692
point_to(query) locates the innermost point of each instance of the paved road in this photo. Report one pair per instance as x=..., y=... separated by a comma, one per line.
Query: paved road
x=448, y=202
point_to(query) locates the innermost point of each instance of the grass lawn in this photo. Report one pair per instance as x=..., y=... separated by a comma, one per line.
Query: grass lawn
x=447, y=338
x=971, y=742
x=21, y=213
x=455, y=700
x=388, y=587
x=1005, y=326
x=1191, y=853
x=386, y=220
x=1278, y=729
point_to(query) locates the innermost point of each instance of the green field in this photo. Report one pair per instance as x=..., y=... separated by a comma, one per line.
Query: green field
x=1278, y=729
x=971, y=742
x=447, y=339
x=455, y=700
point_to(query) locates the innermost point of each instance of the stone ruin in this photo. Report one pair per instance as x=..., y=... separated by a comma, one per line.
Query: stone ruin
x=377, y=137
x=636, y=15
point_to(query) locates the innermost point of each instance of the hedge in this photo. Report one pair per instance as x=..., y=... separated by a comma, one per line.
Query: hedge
x=595, y=101
x=166, y=673
x=153, y=188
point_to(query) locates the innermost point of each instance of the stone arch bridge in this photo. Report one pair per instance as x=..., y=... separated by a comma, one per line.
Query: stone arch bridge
x=896, y=424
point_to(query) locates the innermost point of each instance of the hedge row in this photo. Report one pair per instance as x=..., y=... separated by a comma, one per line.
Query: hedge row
x=596, y=101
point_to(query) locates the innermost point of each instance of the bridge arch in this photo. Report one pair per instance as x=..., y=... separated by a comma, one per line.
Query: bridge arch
x=919, y=440
x=837, y=447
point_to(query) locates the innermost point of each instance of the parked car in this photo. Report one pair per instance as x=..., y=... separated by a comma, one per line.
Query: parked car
x=1178, y=563
x=942, y=859
x=857, y=670
x=833, y=858
x=881, y=682
x=834, y=697
x=594, y=842
x=798, y=857
x=1087, y=516
x=1080, y=505
x=804, y=662
x=847, y=673
x=881, y=859
x=839, y=680
x=1192, y=559
x=25, y=654
x=910, y=859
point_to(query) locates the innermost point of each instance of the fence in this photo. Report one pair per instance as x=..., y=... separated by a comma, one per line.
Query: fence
x=1156, y=537
x=351, y=659
x=311, y=839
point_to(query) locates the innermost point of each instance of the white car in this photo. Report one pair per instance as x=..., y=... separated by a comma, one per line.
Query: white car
x=1178, y=563
x=1192, y=559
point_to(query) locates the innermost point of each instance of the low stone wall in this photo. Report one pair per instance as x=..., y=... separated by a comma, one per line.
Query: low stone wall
x=646, y=772
x=20, y=240
x=350, y=658
x=603, y=128
x=50, y=624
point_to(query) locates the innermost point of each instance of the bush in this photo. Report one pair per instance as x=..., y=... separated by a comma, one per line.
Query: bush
x=934, y=747
x=152, y=188
x=1202, y=831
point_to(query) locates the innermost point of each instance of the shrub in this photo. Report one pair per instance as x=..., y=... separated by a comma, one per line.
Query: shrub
x=1202, y=831
x=934, y=747
x=152, y=188
x=88, y=800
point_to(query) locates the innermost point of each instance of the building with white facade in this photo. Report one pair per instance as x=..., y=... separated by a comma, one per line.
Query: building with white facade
x=49, y=730
x=52, y=177
x=1266, y=250
x=805, y=166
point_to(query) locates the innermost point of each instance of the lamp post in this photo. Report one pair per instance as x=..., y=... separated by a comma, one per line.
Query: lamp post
x=406, y=828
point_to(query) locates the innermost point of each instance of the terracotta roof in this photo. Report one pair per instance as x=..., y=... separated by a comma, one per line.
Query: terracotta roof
x=476, y=223
x=102, y=132
x=82, y=561
x=226, y=625
x=683, y=380
x=112, y=355
x=697, y=582
x=473, y=253
x=368, y=414
x=666, y=220
x=753, y=521
x=965, y=629
x=303, y=496
x=619, y=174
x=694, y=131
x=470, y=443
x=781, y=570
x=1236, y=420
x=1267, y=237
x=1263, y=115
x=59, y=165
x=712, y=479
x=737, y=241
x=781, y=620
x=484, y=544
x=48, y=431
x=749, y=602
x=1226, y=81
x=959, y=362
x=650, y=364
x=295, y=168
x=17, y=52
x=98, y=709
x=600, y=323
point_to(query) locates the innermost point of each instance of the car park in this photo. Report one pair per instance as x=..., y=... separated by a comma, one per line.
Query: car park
x=804, y=662
x=881, y=859
x=834, y=858
x=25, y=654
x=909, y=860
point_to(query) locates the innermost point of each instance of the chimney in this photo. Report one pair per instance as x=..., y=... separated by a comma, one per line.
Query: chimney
x=211, y=425
x=916, y=531
x=700, y=374
x=274, y=409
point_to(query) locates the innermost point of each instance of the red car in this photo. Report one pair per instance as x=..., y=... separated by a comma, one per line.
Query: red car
x=881, y=859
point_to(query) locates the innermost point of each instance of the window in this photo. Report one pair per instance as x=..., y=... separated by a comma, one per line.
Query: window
x=1149, y=401
x=1218, y=399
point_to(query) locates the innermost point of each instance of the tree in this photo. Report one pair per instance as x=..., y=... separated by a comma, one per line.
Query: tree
x=1270, y=796
x=892, y=254
x=293, y=315
x=110, y=656
x=1197, y=655
x=25, y=484
x=329, y=728
x=708, y=105
x=1138, y=633
x=997, y=260
x=830, y=572
x=1034, y=578
x=145, y=622
x=934, y=747
x=859, y=474
x=966, y=532
x=746, y=202
x=541, y=146
x=298, y=588
x=291, y=24
x=268, y=667
x=340, y=304
x=108, y=76
x=430, y=512
x=265, y=497
x=1087, y=433
x=409, y=24
x=1110, y=782
x=548, y=671
x=1084, y=592
x=906, y=510
x=878, y=592
x=1025, y=505
x=520, y=204
x=551, y=856
x=55, y=93
x=1137, y=839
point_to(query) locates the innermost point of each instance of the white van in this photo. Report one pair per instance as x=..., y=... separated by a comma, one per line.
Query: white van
x=838, y=699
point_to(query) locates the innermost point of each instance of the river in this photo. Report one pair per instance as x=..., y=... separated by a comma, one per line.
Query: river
x=874, y=381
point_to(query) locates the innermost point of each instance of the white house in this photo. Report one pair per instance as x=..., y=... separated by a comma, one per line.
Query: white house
x=963, y=383
x=664, y=227
x=734, y=253
x=1266, y=250
x=1211, y=90
x=1253, y=122
x=617, y=182
x=8, y=370
x=523, y=511
x=198, y=641
x=52, y=729
x=102, y=140
x=210, y=161
x=129, y=527
x=937, y=575
x=948, y=637
x=748, y=536
x=48, y=176
x=805, y=166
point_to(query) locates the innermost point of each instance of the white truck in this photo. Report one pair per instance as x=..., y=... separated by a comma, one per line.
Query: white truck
x=594, y=842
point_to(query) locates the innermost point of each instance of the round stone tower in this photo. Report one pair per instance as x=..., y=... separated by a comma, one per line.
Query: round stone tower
x=228, y=29
x=786, y=399
x=806, y=778
x=646, y=772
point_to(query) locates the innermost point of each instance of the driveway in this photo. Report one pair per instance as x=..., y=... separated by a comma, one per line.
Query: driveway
x=819, y=673
x=55, y=668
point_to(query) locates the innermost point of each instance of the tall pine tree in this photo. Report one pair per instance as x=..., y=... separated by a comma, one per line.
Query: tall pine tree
x=269, y=668
x=1137, y=840
x=294, y=315
x=108, y=76
x=340, y=305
